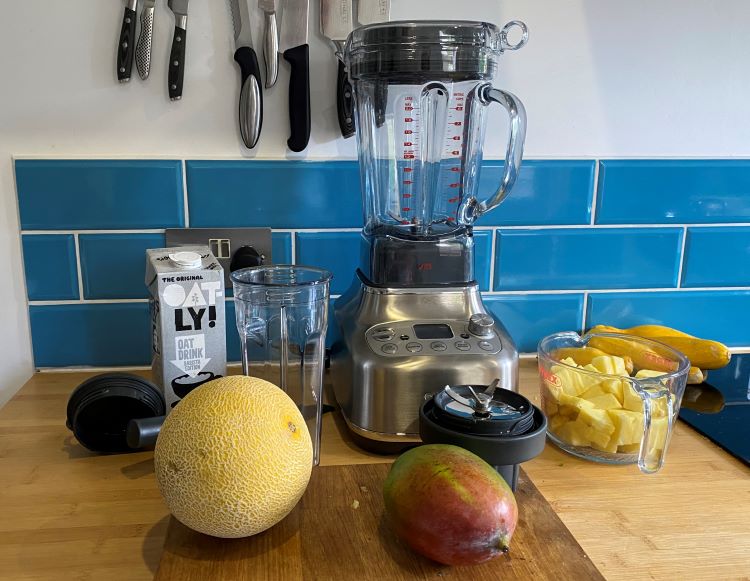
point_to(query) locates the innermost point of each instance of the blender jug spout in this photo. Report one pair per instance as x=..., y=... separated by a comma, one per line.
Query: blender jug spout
x=472, y=207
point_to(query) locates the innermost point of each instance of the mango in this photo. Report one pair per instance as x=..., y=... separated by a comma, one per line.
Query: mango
x=449, y=505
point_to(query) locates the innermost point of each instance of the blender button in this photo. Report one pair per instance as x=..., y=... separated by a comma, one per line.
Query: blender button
x=383, y=335
x=465, y=335
x=486, y=346
x=389, y=348
x=404, y=337
x=462, y=345
x=438, y=346
x=413, y=347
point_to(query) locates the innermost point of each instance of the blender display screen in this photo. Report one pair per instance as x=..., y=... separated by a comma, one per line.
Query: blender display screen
x=433, y=331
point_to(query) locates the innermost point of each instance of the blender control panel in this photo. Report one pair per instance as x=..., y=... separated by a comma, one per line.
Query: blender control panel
x=420, y=338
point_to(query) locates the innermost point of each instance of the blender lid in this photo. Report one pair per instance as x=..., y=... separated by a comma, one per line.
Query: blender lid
x=483, y=410
x=430, y=46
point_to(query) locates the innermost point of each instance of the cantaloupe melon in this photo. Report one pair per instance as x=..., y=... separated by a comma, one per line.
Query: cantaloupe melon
x=234, y=457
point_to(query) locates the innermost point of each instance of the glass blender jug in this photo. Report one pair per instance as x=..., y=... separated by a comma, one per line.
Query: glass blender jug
x=421, y=92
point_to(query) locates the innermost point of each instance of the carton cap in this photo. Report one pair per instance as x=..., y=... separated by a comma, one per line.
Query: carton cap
x=186, y=259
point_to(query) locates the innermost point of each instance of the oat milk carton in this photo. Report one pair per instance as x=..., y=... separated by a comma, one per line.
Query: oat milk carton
x=187, y=319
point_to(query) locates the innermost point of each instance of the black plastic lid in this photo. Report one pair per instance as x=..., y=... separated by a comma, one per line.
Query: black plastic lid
x=100, y=408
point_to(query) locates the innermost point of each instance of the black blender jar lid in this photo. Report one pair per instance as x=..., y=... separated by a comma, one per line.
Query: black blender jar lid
x=483, y=410
x=100, y=409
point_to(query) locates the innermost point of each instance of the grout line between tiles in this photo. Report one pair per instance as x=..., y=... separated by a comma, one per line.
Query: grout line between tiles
x=186, y=208
x=682, y=257
x=595, y=195
x=294, y=247
x=79, y=270
x=478, y=228
x=585, y=309
x=493, y=250
x=494, y=293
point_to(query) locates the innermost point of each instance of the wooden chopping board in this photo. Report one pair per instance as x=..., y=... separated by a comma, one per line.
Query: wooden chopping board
x=326, y=537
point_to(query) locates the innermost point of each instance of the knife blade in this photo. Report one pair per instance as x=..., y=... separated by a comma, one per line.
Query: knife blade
x=251, y=96
x=127, y=39
x=336, y=22
x=270, y=41
x=293, y=45
x=143, y=48
x=372, y=11
x=176, y=73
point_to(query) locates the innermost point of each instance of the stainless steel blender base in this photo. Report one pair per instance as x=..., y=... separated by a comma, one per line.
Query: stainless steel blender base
x=400, y=344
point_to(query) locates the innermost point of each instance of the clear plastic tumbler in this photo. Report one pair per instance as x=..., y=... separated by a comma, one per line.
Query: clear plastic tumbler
x=282, y=316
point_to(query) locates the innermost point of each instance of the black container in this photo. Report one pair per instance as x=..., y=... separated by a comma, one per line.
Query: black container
x=100, y=409
x=503, y=440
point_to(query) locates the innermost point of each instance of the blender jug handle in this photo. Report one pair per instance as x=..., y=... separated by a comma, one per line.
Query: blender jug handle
x=517, y=113
x=653, y=443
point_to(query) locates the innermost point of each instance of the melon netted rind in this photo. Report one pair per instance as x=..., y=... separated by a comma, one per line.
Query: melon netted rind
x=234, y=458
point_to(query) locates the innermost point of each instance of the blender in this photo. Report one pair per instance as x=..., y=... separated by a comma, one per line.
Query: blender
x=413, y=320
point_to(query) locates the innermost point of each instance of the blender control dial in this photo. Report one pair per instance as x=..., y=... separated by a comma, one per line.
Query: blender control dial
x=481, y=325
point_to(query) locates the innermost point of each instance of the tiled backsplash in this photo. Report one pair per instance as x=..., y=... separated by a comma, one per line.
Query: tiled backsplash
x=578, y=242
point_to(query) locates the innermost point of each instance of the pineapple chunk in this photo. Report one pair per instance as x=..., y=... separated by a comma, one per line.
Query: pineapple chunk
x=659, y=430
x=593, y=392
x=629, y=449
x=569, y=361
x=648, y=373
x=610, y=446
x=605, y=402
x=613, y=386
x=573, y=433
x=631, y=400
x=556, y=422
x=598, y=426
x=628, y=427
x=610, y=364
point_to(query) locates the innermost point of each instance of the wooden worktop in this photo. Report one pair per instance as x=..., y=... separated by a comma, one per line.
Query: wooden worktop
x=66, y=513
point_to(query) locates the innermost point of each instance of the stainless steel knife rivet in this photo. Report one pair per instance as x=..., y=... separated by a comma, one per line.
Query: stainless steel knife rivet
x=122, y=69
x=127, y=20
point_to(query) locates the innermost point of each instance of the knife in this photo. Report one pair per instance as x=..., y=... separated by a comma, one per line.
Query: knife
x=270, y=42
x=296, y=51
x=143, y=48
x=372, y=11
x=251, y=97
x=336, y=23
x=125, y=46
x=177, y=54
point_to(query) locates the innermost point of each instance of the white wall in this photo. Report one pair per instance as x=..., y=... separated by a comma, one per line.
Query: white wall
x=603, y=78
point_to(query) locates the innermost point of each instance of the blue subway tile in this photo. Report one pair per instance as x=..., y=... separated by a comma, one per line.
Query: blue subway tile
x=97, y=335
x=281, y=246
x=50, y=265
x=547, y=192
x=275, y=194
x=338, y=252
x=529, y=318
x=673, y=191
x=719, y=315
x=482, y=258
x=113, y=266
x=718, y=256
x=596, y=258
x=99, y=194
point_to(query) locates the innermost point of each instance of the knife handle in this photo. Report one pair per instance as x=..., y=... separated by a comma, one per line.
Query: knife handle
x=345, y=102
x=251, y=96
x=126, y=46
x=299, y=96
x=177, y=63
x=271, y=50
x=143, y=49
